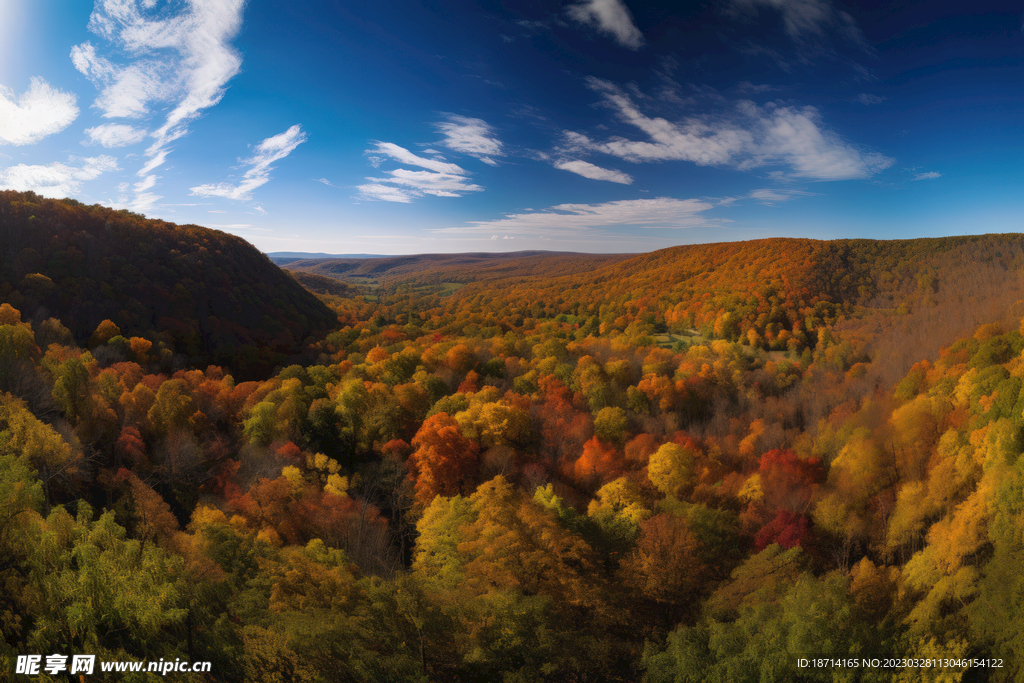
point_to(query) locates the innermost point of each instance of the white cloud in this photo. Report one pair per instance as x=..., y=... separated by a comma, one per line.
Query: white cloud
x=746, y=137
x=144, y=200
x=577, y=219
x=769, y=197
x=406, y=157
x=589, y=170
x=426, y=182
x=927, y=176
x=114, y=135
x=867, y=99
x=42, y=110
x=56, y=179
x=267, y=152
x=182, y=59
x=474, y=137
x=126, y=91
x=611, y=17
x=384, y=193
x=441, y=179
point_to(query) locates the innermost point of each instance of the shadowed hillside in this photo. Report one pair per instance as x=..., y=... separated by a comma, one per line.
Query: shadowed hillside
x=321, y=284
x=207, y=294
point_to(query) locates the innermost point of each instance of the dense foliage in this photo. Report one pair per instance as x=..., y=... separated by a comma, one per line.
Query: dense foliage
x=204, y=294
x=692, y=465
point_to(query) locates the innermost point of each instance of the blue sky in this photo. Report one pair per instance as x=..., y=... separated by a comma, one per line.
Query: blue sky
x=586, y=125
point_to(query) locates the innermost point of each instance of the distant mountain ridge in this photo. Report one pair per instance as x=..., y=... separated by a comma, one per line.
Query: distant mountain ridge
x=465, y=267
x=283, y=257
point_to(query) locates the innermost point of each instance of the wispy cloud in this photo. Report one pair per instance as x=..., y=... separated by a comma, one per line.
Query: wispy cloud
x=427, y=182
x=589, y=170
x=441, y=179
x=385, y=193
x=267, y=152
x=404, y=156
x=769, y=197
x=868, y=99
x=611, y=17
x=474, y=137
x=744, y=136
x=748, y=87
x=804, y=20
x=582, y=219
x=183, y=59
x=40, y=111
x=114, y=135
x=56, y=179
x=927, y=176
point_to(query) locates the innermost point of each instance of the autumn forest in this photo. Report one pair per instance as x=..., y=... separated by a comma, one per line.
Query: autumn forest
x=704, y=463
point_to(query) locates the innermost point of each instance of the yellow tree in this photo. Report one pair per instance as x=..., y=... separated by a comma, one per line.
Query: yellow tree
x=671, y=469
x=517, y=543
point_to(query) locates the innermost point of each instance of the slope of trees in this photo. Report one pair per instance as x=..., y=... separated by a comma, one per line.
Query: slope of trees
x=504, y=485
x=321, y=284
x=206, y=294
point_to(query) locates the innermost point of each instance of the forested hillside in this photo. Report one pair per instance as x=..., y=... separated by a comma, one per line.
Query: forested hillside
x=321, y=284
x=207, y=295
x=699, y=464
x=434, y=268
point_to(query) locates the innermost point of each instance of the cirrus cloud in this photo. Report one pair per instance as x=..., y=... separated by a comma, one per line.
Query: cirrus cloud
x=744, y=136
x=474, y=137
x=589, y=170
x=179, y=58
x=403, y=155
x=611, y=17
x=267, y=152
x=114, y=135
x=804, y=20
x=583, y=219
x=426, y=182
x=441, y=179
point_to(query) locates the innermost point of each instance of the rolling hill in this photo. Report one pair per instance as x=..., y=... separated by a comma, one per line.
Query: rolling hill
x=210, y=295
